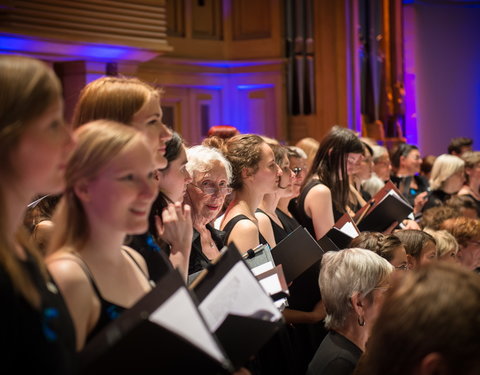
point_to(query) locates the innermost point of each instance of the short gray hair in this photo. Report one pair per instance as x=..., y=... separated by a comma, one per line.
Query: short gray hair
x=344, y=273
x=200, y=159
x=444, y=167
x=378, y=152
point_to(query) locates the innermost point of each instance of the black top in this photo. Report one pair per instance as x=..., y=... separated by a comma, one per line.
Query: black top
x=436, y=198
x=108, y=311
x=156, y=258
x=289, y=223
x=300, y=214
x=198, y=261
x=35, y=341
x=336, y=355
x=229, y=227
x=403, y=184
x=279, y=233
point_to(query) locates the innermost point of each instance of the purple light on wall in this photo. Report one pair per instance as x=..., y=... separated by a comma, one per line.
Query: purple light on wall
x=10, y=43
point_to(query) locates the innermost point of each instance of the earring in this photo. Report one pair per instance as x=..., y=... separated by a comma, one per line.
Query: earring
x=361, y=323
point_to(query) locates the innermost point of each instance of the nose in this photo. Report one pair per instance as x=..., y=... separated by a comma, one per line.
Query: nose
x=279, y=170
x=188, y=177
x=165, y=133
x=148, y=188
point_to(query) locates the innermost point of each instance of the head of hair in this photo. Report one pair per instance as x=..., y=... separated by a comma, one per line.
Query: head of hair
x=378, y=152
x=28, y=88
x=367, y=149
x=433, y=310
x=427, y=164
x=471, y=159
x=280, y=152
x=414, y=241
x=459, y=202
x=243, y=151
x=444, y=167
x=381, y=244
x=201, y=159
x=401, y=150
x=330, y=163
x=223, y=131
x=344, y=273
x=456, y=144
x=444, y=240
x=296, y=152
x=98, y=143
x=112, y=98
x=309, y=146
x=464, y=229
x=173, y=148
x=433, y=217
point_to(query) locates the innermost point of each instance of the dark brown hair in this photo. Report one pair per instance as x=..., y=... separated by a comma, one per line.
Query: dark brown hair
x=381, y=244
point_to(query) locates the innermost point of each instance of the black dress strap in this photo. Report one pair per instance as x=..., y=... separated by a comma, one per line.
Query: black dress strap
x=229, y=227
x=150, y=281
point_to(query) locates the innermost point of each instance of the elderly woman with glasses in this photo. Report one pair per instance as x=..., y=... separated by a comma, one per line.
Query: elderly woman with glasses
x=211, y=175
x=354, y=283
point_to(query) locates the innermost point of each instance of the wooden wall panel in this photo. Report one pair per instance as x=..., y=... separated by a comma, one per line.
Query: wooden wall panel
x=176, y=18
x=207, y=19
x=251, y=19
x=135, y=24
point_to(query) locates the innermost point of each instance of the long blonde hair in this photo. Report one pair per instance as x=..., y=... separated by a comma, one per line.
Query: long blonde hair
x=28, y=88
x=98, y=142
x=112, y=98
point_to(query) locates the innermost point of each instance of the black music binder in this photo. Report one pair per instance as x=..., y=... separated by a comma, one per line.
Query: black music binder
x=224, y=290
x=296, y=253
x=338, y=237
x=163, y=332
x=385, y=208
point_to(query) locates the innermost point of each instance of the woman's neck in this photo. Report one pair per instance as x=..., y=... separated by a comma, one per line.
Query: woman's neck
x=355, y=333
x=248, y=200
x=403, y=172
x=283, y=205
x=269, y=203
x=15, y=207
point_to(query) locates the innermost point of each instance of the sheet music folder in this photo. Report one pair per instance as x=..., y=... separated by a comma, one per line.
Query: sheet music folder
x=386, y=207
x=336, y=239
x=296, y=253
x=242, y=336
x=144, y=339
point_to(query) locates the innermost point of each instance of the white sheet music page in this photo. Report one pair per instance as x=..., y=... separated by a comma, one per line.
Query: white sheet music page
x=349, y=229
x=179, y=315
x=238, y=293
x=267, y=266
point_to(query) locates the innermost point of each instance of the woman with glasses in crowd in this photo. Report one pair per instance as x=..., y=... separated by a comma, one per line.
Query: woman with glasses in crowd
x=211, y=175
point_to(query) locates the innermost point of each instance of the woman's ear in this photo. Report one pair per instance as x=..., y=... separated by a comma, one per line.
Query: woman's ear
x=246, y=173
x=82, y=190
x=411, y=261
x=358, y=305
x=432, y=364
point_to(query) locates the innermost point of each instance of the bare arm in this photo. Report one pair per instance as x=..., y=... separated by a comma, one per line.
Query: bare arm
x=77, y=293
x=318, y=206
x=244, y=235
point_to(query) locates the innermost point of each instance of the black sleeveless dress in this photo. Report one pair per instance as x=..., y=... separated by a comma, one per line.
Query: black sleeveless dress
x=229, y=227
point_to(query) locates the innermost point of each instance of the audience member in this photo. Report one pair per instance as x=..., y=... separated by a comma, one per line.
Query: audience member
x=447, y=245
x=435, y=216
x=428, y=325
x=464, y=205
x=472, y=174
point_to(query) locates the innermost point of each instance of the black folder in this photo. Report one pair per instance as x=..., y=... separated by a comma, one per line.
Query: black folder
x=383, y=210
x=296, y=253
x=134, y=344
x=335, y=239
x=241, y=336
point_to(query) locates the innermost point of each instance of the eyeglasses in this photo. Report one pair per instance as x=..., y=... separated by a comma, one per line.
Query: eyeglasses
x=402, y=267
x=296, y=171
x=211, y=188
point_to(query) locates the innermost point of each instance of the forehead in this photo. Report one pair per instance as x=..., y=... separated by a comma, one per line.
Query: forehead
x=297, y=162
x=267, y=152
x=136, y=155
x=150, y=107
x=216, y=171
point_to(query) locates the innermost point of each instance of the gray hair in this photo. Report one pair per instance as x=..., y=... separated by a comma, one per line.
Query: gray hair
x=296, y=152
x=444, y=167
x=444, y=240
x=344, y=273
x=378, y=152
x=201, y=159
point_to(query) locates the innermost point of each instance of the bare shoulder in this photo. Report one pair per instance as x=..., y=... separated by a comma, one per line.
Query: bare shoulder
x=66, y=269
x=136, y=256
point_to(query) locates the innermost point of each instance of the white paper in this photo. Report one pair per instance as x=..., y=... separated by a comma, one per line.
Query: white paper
x=179, y=315
x=349, y=230
x=238, y=293
x=271, y=284
x=267, y=266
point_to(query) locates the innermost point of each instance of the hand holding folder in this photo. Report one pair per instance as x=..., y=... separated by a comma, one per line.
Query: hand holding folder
x=340, y=235
x=235, y=306
x=385, y=208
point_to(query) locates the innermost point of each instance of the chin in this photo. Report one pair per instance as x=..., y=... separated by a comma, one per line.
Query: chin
x=160, y=161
